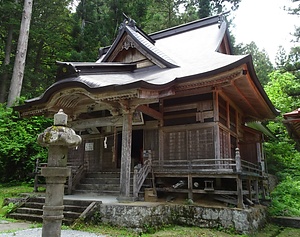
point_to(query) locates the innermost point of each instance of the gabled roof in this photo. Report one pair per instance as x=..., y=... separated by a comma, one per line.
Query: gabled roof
x=130, y=36
x=195, y=47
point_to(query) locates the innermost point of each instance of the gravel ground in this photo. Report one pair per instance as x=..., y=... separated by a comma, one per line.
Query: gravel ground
x=37, y=232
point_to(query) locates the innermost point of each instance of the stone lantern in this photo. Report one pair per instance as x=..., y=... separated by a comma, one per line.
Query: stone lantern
x=58, y=138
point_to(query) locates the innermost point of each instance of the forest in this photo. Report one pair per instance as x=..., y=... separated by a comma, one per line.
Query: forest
x=69, y=30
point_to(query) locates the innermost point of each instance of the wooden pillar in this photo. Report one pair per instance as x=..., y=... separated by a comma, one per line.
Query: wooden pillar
x=249, y=182
x=126, y=157
x=216, y=125
x=256, y=187
x=190, y=187
x=263, y=190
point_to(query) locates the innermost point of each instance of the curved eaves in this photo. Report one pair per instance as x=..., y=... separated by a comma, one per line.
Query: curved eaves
x=245, y=60
x=257, y=83
x=93, y=88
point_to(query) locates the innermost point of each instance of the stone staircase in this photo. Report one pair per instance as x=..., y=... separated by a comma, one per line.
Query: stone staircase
x=100, y=183
x=32, y=210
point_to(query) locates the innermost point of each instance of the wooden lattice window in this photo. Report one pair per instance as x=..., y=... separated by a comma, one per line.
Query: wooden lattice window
x=175, y=145
x=200, y=143
x=222, y=111
x=224, y=144
x=232, y=117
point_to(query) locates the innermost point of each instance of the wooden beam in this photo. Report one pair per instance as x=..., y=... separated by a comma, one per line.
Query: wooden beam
x=149, y=111
x=97, y=122
x=244, y=97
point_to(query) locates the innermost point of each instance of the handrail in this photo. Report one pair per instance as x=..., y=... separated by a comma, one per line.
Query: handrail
x=195, y=164
x=72, y=180
x=232, y=165
x=140, y=174
x=37, y=173
x=250, y=167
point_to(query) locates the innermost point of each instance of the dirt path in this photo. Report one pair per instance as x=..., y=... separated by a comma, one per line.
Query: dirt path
x=7, y=225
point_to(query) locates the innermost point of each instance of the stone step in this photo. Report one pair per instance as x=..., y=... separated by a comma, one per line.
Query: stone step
x=99, y=187
x=39, y=202
x=37, y=205
x=32, y=210
x=27, y=217
x=104, y=193
x=100, y=181
x=103, y=175
x=37, y=208
x=37, y=218
x=26, y=210
x=39, y=199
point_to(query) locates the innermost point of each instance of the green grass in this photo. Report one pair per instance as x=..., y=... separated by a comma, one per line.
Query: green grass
x=12, y=190
x=179, y=231
x=170, y=231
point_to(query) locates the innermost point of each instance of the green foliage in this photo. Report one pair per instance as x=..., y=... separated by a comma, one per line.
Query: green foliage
x=290, y=63
x=18, y=147
x=278, y=90
x=9, y=208
x=282, y=155
x=49, y=41
x=11, y=190
x=286, y=197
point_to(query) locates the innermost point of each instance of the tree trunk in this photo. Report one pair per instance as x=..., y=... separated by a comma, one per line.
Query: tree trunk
x=4, y=79
x=18, y=72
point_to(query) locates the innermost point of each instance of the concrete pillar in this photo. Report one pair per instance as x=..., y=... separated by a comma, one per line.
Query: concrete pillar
x=58, y=138
x=239, y=184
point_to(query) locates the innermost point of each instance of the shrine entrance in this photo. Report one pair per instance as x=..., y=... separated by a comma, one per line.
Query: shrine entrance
x=136, y=148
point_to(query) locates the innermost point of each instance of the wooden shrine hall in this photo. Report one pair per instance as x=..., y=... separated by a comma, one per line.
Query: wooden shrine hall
x=173, y=106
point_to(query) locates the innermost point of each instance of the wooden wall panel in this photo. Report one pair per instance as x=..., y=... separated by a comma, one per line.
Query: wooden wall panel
x=76, y=155
x=92, y=157
x=175, y=146
x=249, y=152
x=108, y=163
x=224, y=144
x=201, y=143
x=189, y=144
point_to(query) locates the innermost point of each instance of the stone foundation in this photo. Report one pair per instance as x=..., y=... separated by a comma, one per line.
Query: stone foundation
x=142, y=216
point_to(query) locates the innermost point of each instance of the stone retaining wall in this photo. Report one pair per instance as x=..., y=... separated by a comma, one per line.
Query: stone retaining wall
x=145, y=216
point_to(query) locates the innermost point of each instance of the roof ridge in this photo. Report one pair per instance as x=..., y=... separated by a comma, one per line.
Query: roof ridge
x=189, y=26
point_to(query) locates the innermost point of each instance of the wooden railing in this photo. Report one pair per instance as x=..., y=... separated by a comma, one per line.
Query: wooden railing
x=140, y=174
x=227, y=165
x=250, y=167
x=195, y=165
x=77, y=173
x=37, y=174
